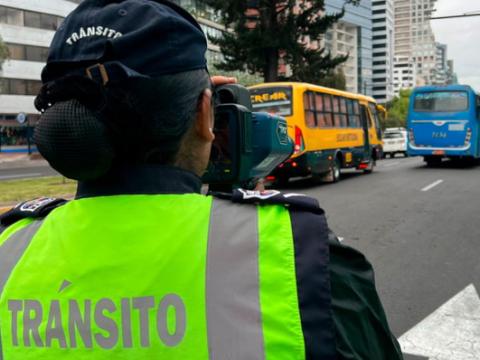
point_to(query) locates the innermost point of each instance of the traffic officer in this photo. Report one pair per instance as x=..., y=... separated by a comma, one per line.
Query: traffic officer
x=141, y=265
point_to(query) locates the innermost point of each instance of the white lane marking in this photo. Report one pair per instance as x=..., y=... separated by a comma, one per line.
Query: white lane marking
x=18, y=176
x=431, y=186
x=452, y=332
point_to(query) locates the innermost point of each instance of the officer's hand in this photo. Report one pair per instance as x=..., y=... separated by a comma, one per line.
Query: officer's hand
x=222, y=80
x=260, y=185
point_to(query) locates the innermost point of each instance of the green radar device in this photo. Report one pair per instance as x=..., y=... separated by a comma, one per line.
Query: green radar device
x=248, y=145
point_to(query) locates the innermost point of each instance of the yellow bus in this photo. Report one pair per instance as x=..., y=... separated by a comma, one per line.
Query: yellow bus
x=331, y=129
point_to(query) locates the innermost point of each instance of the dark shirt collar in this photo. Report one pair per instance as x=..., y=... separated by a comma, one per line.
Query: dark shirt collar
x=142, y=180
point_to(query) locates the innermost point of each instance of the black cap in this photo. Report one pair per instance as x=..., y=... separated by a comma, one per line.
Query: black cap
x=110, y=40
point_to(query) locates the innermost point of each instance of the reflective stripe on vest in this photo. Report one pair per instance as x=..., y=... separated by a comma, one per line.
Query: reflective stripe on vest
x=245, y=307
x=233, y=300
x=10, y=253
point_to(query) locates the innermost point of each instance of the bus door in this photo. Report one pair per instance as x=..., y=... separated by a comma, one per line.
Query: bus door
x=366, y=122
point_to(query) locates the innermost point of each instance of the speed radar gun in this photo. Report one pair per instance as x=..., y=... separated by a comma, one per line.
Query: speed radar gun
x=248, y=145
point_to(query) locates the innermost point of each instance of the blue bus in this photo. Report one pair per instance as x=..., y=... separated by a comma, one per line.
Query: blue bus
x=444, y=122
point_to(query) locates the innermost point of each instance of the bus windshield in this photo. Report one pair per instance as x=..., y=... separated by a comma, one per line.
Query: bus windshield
x=274, y=100
x=441, y=101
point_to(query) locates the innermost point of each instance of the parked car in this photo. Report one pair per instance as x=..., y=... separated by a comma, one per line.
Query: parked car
x=395, y=142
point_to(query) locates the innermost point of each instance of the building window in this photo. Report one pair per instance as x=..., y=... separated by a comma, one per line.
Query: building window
x=20, y=87
x=16, y=52
x=11, y=16
x=32, y=19
x=27, y=52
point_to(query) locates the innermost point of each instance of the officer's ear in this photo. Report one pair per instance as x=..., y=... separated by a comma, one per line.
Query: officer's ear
x=204, y=117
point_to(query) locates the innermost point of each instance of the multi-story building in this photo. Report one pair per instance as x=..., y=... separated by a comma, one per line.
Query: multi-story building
x=383, y=49
x=404, y=74
x=352, y=35
x=441, y=68
x=452, y=75
x=414, y=37
x=27, y=28
x=341, y=40
x=210, y=23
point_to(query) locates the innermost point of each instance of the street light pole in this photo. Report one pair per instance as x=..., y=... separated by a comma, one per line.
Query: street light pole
x=455, y=16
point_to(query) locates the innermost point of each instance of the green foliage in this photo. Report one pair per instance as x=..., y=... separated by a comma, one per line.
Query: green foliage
x=243, y=78
x=266, y=32
x=398, y=110
x=3, y=52
x=334, y=79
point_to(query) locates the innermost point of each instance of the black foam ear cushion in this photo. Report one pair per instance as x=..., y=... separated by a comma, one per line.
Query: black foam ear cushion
x=74, y=141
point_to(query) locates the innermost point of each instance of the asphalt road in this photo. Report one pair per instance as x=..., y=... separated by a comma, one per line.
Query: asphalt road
x=424, y=245
x=25, y=171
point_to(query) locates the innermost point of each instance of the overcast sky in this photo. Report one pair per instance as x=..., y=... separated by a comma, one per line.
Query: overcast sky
x=462, y=35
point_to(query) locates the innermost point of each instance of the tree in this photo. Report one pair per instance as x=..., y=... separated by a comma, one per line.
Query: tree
x=334, y=79
x=397, y=110
x=243, y=77
x=3, y=52
x=266, y=33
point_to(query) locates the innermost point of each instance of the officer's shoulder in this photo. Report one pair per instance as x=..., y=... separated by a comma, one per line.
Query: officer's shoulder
x=293, y=201
x=33, y=209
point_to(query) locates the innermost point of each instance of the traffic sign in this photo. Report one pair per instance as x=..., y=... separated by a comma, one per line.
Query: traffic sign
x=22, y=117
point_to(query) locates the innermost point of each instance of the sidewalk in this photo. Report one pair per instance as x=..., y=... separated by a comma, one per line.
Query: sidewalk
x=15, y=160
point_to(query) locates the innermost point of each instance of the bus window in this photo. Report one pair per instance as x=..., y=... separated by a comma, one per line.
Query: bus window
x=328, y=119
x=441, y=101
x=322, y=120
x=343, y=113
x=319, y=102
x=336, y=104
x=327, y=104
x=374, y=111
x=309, y=105
x=353, y=114
x=320, y=111
x=356, y=106
x=364, y=118
x=336, y=112
x=343, y=105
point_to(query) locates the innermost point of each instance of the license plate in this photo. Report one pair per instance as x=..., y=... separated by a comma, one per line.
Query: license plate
x=456, y=127
x=348, y=157
x=439, y=152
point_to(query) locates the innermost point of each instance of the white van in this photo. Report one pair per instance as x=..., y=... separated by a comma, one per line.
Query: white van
x=395, y=142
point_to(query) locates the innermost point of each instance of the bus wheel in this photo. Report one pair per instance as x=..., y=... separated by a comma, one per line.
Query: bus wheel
x=371, y=166
x=335, y=169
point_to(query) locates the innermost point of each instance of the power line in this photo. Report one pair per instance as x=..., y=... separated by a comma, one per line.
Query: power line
x=470, y=14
